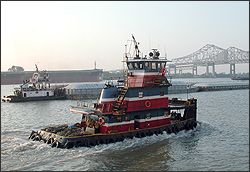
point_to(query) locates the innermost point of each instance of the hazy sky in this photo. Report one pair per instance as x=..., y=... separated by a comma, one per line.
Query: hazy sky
x=73, y=35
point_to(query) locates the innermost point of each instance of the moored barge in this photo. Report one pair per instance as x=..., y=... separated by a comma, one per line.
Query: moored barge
x=137, y=106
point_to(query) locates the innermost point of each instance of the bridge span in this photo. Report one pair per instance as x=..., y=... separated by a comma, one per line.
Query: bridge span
x=210, y=55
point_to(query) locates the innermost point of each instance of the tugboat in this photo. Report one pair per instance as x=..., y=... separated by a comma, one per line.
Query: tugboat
x=240, y=78
x=137, y=106
x=37, y=88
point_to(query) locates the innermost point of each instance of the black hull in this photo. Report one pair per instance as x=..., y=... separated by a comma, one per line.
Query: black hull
x=63, y=76
x=59, y=141
x=240, y=78
x=16, y=99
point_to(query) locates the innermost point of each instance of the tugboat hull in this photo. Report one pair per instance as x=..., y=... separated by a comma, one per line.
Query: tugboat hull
x=59, y=141
x=56, y=137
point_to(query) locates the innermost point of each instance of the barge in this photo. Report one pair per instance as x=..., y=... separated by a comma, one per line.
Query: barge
x=137, y=106
x=57, y=76
x=36, y=89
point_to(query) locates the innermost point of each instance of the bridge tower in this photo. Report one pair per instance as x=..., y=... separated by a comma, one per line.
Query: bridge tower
x=195, y=69
x=232, y=68
x=213, y=68
x=172, y=67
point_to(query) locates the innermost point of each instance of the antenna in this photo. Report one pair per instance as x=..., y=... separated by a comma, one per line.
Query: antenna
x=165, y=52
x=137, y=51
x=149, y=43
x=36, y=63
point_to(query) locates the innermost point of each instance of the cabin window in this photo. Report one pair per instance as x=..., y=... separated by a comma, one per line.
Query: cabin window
x=166, y=114
x=140, y=66
x=162, y=93
x=158, y=65
x=163, y=64
x=153, y=65
x=130, y=66
x=140, y=94
x=127, y=118
x=24, y=94
x=119, y=119
x=47, y=93
x=148, y=65
x=135, y=65
x=148, y=116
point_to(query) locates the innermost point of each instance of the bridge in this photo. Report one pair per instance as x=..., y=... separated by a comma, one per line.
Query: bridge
x=210, y=55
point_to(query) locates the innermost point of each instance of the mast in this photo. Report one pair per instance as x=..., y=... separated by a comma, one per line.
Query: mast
x=137, y=51
x=36, y=68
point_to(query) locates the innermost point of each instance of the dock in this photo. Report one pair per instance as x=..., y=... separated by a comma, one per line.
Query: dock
x=84, y=91
x=222, y=86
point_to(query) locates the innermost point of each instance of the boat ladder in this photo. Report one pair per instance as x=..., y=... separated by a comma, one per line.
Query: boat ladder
x=120, y=99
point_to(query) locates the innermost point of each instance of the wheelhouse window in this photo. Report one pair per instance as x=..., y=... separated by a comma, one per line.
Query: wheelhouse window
x=135, y=65
x=148, y=65
x=153, y=65
x=158, y=65
x=140, y=66
x=163, y=64
x=130, y=66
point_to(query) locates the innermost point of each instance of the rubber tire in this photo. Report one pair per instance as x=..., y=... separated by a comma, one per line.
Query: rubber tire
x=173, y=130
x=169, y=130
x=50, y=141
x=69, y=145
x=195, y=124
x=177, y=129
x=87, y=143
x=33, y=136
x=32, y=133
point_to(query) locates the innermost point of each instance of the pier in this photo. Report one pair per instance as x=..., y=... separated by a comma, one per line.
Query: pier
x=222, y=86
x=80, y=91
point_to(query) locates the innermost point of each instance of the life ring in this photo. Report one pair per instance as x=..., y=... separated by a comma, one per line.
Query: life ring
x=147, y=104
x=101, y=121
x=163, y=71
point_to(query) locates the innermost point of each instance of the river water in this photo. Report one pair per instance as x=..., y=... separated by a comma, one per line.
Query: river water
x=219, y=143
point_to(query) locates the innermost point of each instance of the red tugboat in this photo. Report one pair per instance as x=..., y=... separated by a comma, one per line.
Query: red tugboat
x=136, y=106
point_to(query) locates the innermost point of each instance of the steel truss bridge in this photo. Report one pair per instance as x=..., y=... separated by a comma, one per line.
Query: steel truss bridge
x=210, y=55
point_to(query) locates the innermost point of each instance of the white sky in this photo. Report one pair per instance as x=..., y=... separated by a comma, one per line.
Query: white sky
x=74, y=34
